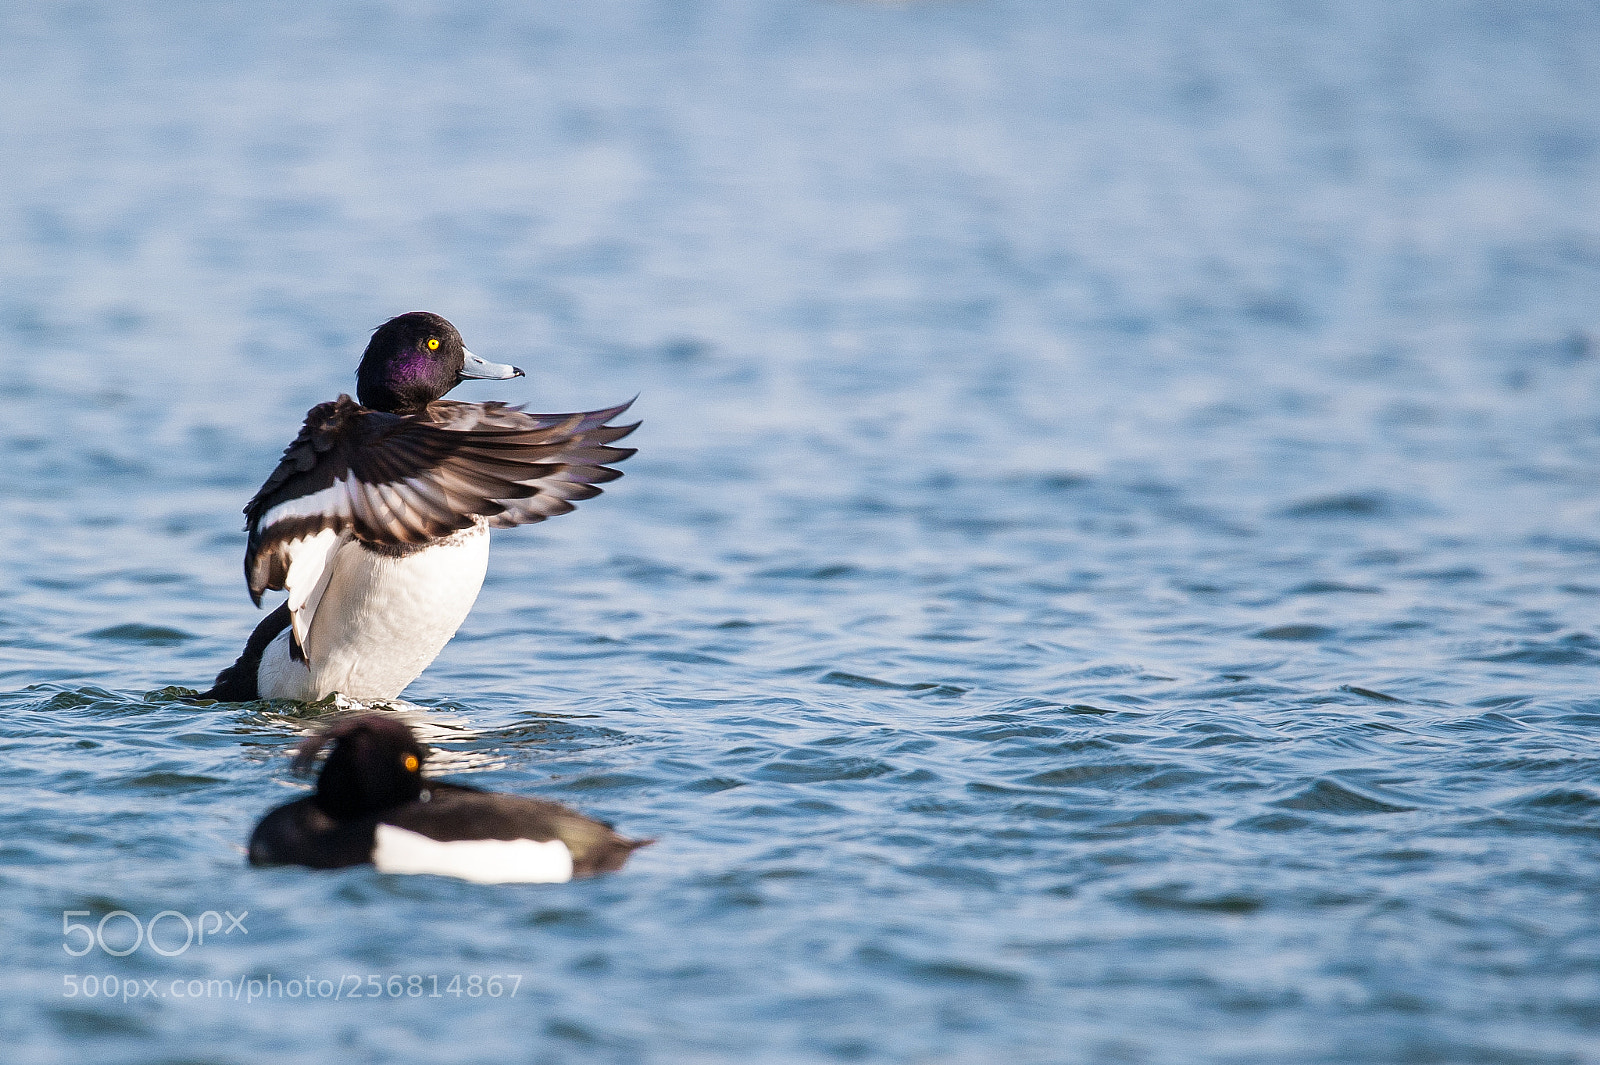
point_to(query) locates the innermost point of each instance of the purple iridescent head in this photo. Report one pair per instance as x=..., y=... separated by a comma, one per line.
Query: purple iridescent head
x=414, y=359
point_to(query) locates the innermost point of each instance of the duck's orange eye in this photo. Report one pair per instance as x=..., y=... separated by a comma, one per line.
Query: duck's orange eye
x=433, y=343
x=410, y=760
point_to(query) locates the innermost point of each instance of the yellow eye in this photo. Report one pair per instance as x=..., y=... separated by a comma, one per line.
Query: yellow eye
x=411, y=763
x=433, y=343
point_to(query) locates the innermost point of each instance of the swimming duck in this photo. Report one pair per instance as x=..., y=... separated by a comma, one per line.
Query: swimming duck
x=373, y=805
x=377, y=519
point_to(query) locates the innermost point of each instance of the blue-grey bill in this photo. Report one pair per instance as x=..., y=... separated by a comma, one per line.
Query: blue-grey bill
x=475, y=368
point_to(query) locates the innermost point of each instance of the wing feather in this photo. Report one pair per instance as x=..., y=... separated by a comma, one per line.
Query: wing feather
x=405, y=480
x=310, y=568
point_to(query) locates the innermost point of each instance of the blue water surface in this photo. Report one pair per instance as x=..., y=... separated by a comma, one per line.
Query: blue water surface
x=1111, y=573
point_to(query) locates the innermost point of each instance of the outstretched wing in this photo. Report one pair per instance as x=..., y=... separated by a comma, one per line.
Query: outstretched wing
x=406, y=480
x=576, y=473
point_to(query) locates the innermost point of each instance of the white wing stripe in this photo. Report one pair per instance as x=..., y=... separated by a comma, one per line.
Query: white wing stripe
x=331, y=501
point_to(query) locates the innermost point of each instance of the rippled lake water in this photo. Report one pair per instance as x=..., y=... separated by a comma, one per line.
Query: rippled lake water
x=1111, y=573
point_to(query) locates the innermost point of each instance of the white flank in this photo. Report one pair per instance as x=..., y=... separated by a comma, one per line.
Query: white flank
x=379, y=619
x=483, y=861
x=280, y=677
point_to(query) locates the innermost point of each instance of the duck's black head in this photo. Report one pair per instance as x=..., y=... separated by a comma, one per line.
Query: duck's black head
x=375, y=764
x=414, y=359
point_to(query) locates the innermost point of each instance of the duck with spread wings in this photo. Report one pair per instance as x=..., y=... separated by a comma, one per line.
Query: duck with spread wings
x=376, y=521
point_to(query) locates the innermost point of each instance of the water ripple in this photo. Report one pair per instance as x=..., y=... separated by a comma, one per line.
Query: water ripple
x=1094, y=586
